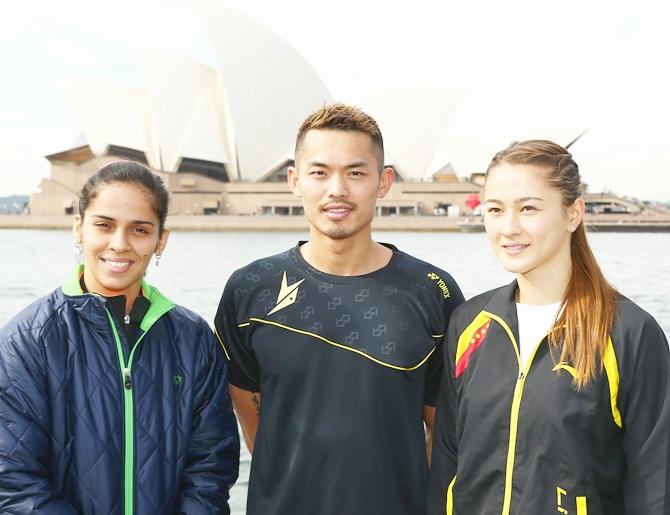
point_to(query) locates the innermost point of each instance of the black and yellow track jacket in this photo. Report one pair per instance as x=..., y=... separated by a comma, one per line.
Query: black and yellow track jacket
x=525, y=441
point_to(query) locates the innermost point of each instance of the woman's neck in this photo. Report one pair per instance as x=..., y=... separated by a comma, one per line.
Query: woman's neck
x=539, y=291
x=130, y=294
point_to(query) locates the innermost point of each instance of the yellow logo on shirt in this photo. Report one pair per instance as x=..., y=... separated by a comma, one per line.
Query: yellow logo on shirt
x=288, y=294
x=440, y=283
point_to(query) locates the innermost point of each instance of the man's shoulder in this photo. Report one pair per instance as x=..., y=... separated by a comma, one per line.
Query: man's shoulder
x=409, y=261
x=419, y=271
x=254, y=287
x=263, y=268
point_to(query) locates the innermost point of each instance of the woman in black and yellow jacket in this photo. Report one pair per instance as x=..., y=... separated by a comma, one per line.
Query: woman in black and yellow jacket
x=556, y=394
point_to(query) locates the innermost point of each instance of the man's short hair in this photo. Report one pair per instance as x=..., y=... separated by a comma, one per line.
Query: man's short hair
x=342, y=117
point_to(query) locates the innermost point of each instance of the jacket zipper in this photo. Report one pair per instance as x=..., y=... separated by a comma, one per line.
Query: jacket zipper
x=513, y=428
x=514, y=413
x=128, y=418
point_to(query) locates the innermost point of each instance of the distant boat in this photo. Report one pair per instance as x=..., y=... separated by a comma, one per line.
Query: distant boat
x=471, y=226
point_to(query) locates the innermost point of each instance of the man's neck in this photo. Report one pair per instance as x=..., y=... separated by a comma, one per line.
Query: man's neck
x=345, y=257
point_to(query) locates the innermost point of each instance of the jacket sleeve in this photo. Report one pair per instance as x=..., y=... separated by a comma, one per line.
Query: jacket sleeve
x=646, y=423
x=445, y=445
x=25, y=423
x=214, y=448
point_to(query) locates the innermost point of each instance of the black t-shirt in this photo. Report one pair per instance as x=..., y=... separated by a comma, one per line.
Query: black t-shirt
x=344, y=366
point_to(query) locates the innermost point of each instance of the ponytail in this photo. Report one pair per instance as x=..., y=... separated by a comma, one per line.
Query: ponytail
x=587, y=312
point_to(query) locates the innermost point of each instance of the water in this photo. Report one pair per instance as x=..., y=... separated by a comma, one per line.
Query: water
x=195, y=266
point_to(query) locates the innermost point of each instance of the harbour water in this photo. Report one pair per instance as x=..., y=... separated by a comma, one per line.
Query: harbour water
x=195, y=266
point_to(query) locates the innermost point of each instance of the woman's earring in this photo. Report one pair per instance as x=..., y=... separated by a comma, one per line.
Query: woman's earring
x=158, y=259
x=78, y=252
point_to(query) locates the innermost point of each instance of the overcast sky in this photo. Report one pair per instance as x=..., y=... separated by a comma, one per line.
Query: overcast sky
x=526, y=69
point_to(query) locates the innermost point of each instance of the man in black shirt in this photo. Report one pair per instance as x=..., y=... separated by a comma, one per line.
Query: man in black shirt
x=335, y=344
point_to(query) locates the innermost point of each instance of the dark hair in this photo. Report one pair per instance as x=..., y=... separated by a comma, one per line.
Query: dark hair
x=128, y=172
x=589, y=303
x=342, y=117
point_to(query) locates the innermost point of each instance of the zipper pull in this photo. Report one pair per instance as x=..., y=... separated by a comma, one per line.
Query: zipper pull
x=127, y=383
x=126, y=319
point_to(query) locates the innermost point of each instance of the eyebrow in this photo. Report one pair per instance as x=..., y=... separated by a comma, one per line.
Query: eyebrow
x=358, y=164
x=134, y=222
x=355, y=164
x=517, y=201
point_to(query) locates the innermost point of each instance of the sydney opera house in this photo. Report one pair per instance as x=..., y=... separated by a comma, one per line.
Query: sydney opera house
x=223, y=138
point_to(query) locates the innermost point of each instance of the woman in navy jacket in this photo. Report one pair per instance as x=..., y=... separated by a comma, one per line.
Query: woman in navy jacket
x=113, y=399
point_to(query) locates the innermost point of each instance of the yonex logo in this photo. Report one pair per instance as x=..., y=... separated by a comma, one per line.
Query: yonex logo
x=178, y=380
x=440, y=283
x=288, y=294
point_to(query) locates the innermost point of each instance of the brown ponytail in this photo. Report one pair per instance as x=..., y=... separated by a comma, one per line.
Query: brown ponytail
x=589, y=302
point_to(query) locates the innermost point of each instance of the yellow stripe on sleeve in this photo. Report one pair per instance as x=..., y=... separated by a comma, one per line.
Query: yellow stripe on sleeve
x=612, y=371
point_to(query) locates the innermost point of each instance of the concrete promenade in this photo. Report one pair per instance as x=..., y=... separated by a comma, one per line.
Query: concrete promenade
x=613, y=222
x=240, y=223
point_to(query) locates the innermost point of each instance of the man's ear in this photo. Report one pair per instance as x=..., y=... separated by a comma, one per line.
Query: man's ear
x=293, y=181
x=385, y=181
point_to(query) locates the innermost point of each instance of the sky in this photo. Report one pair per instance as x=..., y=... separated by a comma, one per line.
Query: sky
x=524, y=69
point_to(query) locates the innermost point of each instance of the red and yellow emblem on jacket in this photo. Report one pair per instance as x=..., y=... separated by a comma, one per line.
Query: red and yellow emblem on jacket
x=470, y=340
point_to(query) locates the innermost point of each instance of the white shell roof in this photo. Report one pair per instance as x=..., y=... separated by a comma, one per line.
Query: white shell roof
x=413, y=121
x=111, y=113
x=185, y=109
x=270, y=89
x=244, y=115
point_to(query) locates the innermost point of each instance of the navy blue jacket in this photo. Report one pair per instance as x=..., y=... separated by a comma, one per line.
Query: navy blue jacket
x=91, y=424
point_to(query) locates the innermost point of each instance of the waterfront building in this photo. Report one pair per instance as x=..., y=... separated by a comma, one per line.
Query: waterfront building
x=222, y=139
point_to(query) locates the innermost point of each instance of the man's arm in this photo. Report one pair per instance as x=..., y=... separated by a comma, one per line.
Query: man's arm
x=247, y=407
x=243, y=369
x=429, y=424
x=435, y=367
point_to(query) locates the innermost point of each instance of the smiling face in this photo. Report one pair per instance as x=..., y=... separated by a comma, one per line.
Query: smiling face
x=338, y=177
x=528, y=226
x=119, y=232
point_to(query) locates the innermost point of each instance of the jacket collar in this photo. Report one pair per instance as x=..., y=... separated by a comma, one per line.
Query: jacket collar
x=503, y=304
x=160, y=304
